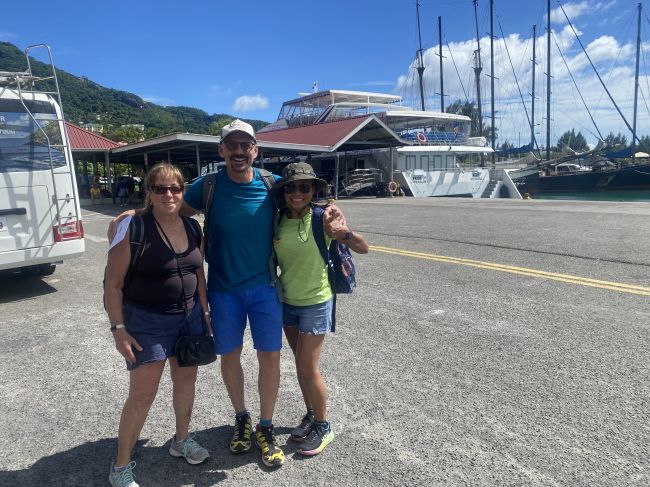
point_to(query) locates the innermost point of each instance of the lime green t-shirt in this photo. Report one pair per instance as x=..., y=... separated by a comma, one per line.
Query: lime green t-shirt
x=303, y=271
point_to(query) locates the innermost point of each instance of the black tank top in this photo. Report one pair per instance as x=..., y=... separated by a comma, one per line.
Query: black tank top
x=154, y=283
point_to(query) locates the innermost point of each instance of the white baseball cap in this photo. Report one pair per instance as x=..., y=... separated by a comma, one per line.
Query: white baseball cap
x=237, y=126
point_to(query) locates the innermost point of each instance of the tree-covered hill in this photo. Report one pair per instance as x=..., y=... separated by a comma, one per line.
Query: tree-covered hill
x=85, y=101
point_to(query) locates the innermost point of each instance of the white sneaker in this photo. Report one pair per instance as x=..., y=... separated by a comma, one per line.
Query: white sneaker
x=123, y=477
x=189, y=449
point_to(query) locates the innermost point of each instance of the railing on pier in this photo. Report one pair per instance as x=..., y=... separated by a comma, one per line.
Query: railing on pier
x=359, y=179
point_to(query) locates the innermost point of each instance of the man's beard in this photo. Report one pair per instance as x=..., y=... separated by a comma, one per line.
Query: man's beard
x=241, y=166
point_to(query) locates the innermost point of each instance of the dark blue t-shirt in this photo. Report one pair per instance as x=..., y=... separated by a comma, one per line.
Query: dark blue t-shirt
x=241, y=232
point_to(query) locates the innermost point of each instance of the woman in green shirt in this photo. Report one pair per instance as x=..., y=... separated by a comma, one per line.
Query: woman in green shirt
x=308, y=298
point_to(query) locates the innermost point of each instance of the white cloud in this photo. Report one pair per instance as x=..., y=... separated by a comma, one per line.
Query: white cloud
x=573, y=11
x=613, y=59
x=158, y=100
x=7, y=36
x=247, y=103
x=578, y=9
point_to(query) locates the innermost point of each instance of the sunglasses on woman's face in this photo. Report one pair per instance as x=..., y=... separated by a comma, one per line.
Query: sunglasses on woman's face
x=304, y=188
x=163, y=189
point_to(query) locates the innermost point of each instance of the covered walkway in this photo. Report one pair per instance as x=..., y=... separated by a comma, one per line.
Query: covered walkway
x=197, y=154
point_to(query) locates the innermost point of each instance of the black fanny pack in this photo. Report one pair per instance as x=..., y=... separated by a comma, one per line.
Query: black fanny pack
x=195, y=350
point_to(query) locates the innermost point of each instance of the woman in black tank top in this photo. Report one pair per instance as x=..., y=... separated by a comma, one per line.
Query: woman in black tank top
x=151, y=300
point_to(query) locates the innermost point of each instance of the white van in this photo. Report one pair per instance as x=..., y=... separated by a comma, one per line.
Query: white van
x=40, y=216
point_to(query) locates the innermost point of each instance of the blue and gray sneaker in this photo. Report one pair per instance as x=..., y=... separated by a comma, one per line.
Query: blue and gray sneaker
x=189, y=449
x=123, y=476
x=318, y=438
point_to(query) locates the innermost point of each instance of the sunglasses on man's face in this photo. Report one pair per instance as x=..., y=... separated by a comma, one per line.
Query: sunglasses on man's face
x=245, y=145
x=163, y=189
x=304, y=188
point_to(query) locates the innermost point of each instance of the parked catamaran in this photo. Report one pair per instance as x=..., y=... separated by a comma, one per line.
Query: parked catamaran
x=426, y=165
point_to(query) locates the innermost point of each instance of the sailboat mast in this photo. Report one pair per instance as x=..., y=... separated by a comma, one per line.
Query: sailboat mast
x=548, y=81
x=477, y=74
x=532, y=95
x=420, y=67
x=492, y=77
x=442, y=85
x=636, y=82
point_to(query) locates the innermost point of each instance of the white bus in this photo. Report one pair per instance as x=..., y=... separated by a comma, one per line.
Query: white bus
x=40, y=216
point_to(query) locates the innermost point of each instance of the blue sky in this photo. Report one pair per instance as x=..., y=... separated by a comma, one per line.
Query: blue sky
x=244, y=58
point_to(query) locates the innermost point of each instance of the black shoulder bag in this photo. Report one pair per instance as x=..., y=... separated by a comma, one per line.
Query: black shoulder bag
x=191, y=350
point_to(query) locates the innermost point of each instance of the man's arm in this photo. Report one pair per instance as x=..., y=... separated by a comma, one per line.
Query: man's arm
x=186, y=210
x=112, y=226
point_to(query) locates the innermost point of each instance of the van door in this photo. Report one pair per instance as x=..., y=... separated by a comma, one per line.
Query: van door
x=25, y=217
x=26, y=187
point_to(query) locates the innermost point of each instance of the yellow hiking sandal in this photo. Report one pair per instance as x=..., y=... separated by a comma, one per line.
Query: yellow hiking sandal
x=272, y=456
x=241, y=435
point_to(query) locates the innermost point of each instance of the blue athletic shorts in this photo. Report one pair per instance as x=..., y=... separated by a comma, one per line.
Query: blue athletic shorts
x=313, y=320
x=157, y=332
x=230, y=311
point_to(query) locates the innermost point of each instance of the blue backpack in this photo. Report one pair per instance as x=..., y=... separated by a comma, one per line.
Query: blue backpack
x=338, y=259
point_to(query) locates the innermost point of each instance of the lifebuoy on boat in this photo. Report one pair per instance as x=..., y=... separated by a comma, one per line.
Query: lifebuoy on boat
x=392, y=186
x=421, y=137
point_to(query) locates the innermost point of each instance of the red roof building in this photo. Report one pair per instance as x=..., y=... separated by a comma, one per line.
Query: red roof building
x=362, y=132
x=83, y=141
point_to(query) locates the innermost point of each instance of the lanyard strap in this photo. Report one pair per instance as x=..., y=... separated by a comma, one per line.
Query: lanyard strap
x=178, y=267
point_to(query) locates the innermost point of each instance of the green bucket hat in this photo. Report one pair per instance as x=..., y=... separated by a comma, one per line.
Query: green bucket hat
x=301, y=171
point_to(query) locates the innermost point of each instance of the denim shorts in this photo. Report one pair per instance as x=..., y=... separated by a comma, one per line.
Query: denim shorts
x=230, y=311
x=315, y=319
x=157, y=333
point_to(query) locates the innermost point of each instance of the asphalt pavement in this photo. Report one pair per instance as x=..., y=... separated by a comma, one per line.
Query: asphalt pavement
x=489, y=343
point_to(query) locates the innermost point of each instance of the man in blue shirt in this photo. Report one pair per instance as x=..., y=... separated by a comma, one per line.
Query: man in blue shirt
x=239, y=283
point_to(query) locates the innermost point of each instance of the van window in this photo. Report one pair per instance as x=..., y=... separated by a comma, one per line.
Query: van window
x=24, y=147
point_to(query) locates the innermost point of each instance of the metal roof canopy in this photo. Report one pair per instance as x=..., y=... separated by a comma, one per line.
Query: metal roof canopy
x=176, y=148
x=365, y=132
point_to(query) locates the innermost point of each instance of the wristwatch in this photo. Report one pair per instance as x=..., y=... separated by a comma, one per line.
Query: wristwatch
x=348, y=236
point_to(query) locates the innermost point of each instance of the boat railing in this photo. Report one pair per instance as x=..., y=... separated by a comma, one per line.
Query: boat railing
x=437, y=138
x=359, y=179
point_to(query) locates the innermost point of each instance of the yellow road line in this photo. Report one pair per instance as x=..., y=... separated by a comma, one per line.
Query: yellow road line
x=582, y=281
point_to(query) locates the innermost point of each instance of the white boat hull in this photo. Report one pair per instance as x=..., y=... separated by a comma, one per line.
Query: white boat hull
x=455, y=183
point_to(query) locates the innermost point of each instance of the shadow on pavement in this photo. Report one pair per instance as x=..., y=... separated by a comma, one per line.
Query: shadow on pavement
x=16, y=287
x=88, y=464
